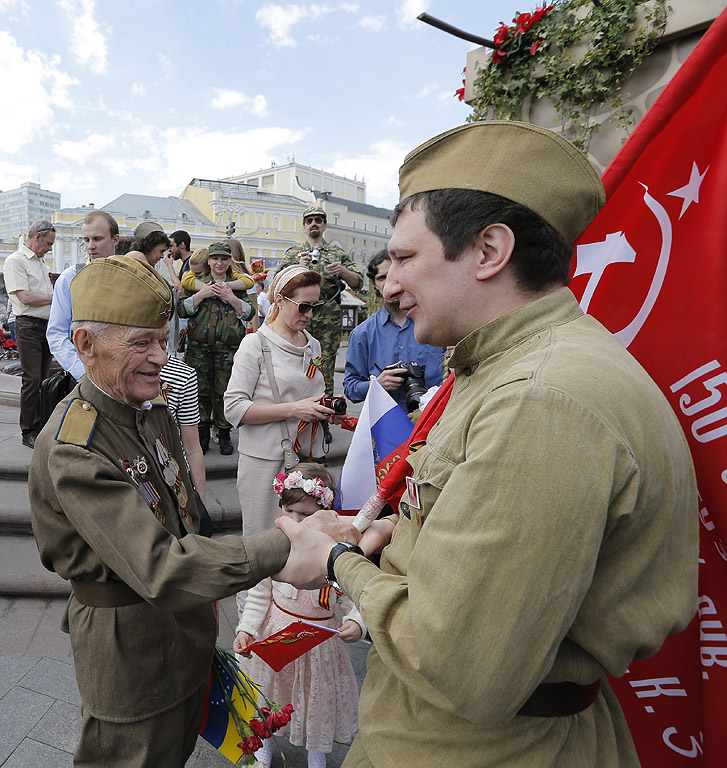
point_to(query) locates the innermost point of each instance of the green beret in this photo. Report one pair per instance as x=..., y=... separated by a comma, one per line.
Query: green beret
x=121, y=290
x=220, y=249
x=146, y=228
x=522, y=162
x=314, y=210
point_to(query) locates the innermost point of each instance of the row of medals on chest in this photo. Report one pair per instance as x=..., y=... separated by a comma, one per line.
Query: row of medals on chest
x=138, y=469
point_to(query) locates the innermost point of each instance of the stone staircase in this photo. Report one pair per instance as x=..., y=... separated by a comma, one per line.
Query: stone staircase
x=20, y=569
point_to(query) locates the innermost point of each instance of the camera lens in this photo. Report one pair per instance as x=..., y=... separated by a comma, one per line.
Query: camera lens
x=315, y=256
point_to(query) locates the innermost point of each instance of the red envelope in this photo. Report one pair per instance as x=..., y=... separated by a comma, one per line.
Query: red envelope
x=286, y=645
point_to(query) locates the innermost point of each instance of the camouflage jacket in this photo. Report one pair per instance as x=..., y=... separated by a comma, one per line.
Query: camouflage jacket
x=214, y=322
x=331, y=285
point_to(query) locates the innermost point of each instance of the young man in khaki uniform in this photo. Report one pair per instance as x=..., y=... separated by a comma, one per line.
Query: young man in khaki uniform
x=549, y=528
x=113, y=511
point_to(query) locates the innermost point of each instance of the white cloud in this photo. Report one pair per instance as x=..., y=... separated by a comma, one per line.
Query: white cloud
x=225, y=98
x=85, y=149
x=33, y=84
x=372, y=23
x=382, y=163
x=279, y=20
x=394, y=121
x=165, y=63
x=88, y=42
x=138, y=89
x=427, y=91
x=15, y=174
x=190, y=152
x=408, y=11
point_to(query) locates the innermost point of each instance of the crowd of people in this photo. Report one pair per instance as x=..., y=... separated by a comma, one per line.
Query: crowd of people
x=543, y=532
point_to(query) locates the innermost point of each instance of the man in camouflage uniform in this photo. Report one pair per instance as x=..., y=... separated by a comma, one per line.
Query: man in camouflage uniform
x=335, y=267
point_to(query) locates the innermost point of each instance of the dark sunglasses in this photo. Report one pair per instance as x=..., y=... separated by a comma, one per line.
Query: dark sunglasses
x=304, y=306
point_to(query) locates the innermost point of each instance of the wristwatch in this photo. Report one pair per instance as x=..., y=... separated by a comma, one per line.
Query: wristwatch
x=344, y=546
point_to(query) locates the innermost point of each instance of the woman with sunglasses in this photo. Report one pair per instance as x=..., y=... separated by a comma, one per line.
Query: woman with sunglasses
x=250, y=401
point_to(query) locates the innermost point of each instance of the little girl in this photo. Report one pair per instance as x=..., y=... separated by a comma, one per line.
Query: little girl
x=320, y=684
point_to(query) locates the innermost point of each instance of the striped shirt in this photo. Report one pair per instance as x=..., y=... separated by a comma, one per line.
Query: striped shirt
x=179, y=389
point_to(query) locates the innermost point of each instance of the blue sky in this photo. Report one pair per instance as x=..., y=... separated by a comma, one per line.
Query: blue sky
x=102, y=97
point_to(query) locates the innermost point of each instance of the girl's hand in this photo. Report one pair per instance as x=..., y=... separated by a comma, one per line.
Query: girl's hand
x=309, y=409
x=350, y=631
x=241, y=642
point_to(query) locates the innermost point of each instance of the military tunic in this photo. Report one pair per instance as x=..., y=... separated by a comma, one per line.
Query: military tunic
x=94, y=522
x=214, y=333
x=326, y=325
x=554, y=539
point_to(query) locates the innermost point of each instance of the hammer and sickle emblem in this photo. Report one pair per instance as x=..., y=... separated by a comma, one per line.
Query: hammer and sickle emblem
x=593, y=258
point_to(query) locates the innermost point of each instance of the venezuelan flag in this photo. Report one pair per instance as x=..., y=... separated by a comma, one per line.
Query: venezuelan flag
x=218, y=724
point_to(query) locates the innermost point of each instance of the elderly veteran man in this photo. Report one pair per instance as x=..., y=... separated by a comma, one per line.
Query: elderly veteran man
x=548, y=531
x=113, y=511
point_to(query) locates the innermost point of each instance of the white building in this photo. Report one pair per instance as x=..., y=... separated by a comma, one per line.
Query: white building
x=19, y=208
x=354, y=225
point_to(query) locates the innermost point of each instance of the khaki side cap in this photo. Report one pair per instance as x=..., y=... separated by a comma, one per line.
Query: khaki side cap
x=519, y=161
x=121, y=290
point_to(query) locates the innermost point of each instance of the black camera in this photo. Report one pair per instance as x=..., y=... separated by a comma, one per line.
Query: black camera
x=413, y=383
x=336, y=403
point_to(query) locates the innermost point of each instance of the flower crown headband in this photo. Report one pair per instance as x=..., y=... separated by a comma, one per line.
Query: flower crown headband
x=314, y=487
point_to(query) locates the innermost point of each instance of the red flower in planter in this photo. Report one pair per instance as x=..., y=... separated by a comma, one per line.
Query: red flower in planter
x=501, y=34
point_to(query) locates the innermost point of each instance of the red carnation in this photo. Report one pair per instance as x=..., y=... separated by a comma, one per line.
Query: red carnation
x=534, y=46
x=498, y=56
x=277, y=719
x=250, y=745
x=260, y=729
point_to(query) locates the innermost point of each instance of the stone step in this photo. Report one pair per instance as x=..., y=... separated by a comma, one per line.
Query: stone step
x=22, y=573
x=223, y=505
x=16, y=457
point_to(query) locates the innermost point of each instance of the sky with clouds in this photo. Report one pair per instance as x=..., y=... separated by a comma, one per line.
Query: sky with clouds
x=101, y=97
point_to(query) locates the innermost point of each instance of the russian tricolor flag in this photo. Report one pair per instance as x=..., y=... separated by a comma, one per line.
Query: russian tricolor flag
x=382, y=427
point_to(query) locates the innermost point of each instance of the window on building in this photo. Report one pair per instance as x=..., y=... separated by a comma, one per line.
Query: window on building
x=364, y=225
x=353, y=223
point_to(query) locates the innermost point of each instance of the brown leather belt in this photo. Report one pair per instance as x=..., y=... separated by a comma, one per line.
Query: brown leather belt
x=560, y=699
x=105, y=594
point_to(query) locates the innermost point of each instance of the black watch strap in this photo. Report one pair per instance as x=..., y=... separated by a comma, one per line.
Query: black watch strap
x=344, y=546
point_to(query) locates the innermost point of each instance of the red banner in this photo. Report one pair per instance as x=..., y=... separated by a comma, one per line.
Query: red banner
x=653, y=269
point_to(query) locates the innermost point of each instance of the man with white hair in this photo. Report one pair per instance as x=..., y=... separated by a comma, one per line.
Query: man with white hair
x=29, y=286
x=113, y=511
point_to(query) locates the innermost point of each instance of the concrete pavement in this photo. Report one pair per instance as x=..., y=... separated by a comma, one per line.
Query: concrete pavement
x=40, y=715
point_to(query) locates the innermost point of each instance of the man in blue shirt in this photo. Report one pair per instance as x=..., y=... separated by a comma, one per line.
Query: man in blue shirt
x=100, y=234
x=387, y=337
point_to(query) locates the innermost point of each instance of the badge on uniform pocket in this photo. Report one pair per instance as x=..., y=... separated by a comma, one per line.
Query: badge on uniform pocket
x=412, y=490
